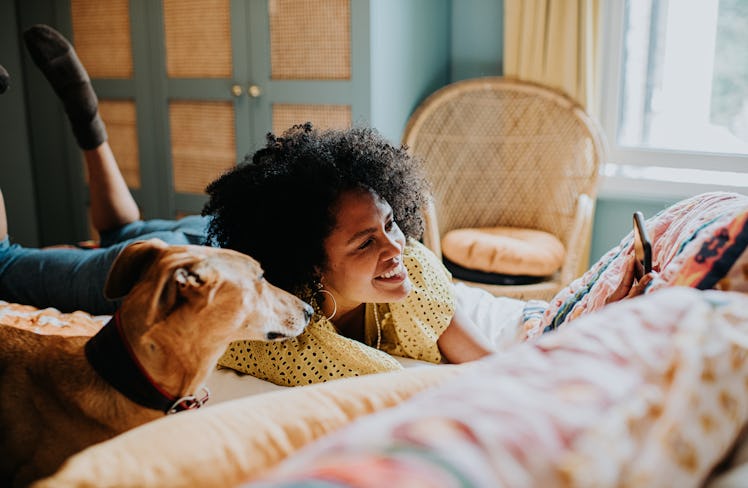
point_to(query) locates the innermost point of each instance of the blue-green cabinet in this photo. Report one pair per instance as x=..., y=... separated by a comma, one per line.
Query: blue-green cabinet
x=208, y=79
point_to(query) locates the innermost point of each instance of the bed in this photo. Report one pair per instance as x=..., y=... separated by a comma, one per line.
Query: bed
x=649, y=391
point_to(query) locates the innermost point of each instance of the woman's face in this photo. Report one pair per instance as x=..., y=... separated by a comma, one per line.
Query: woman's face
x=364, y=253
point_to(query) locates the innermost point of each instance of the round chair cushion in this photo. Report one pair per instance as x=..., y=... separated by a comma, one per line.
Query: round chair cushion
x=505, y=250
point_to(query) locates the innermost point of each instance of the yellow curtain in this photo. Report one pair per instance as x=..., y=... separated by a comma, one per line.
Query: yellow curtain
x=554, y=43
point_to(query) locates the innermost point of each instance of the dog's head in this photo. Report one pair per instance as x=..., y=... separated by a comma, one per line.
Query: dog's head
x=201, y=287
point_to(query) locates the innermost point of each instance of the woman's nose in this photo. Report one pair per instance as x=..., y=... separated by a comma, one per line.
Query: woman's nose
x=393, y=248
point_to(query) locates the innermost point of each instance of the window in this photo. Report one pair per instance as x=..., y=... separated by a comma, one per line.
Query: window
x=675, y=95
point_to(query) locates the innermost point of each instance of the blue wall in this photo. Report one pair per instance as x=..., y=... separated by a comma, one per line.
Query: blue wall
x=417, y=31
x=613, y=220
x=477, y=38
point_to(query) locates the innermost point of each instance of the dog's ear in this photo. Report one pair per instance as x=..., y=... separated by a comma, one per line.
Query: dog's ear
x=184, y=283
x=188, y=279
x=130, y=265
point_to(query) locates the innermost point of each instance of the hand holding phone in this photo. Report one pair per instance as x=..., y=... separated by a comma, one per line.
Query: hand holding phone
x=642, y=247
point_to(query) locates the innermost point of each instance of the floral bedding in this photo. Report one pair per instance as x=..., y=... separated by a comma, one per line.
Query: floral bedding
x=699, y=242
x=647, y=392
x=50, y=320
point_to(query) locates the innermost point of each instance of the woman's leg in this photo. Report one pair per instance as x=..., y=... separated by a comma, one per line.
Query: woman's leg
x=73, y=279
x=112, y=205
x=4, y=79
x=3, y=219
x=68, y=279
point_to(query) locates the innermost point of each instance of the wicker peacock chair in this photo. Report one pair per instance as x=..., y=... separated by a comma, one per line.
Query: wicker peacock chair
x=502, y=152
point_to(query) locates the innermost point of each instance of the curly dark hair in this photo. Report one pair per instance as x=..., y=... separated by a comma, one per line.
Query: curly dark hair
x=278, y=205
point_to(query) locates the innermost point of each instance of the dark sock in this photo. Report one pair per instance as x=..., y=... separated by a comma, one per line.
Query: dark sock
x=57, y=59
x=4, y=79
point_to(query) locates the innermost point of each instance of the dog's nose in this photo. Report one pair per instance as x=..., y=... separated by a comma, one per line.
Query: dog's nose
x=272, y=336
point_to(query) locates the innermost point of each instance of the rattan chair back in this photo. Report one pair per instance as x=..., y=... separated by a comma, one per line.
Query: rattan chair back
x=502, y=152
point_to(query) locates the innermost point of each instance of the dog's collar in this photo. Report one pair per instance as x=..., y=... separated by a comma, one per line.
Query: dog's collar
x=112, y=358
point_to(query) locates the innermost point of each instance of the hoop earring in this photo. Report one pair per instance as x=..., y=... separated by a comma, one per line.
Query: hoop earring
x=334, y=303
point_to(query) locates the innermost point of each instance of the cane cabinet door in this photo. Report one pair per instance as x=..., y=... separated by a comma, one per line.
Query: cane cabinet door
x=188, y=87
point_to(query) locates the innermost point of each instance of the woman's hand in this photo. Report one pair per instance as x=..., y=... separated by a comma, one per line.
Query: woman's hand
x=630, y=287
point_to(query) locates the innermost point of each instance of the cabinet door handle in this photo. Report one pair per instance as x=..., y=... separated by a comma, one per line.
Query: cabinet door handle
x=236, y=90
x=254, y=91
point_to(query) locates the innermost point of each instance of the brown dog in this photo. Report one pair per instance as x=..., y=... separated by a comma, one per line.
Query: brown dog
x=182, y=306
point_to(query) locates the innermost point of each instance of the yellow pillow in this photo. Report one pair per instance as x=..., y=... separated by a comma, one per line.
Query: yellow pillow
x=238, y=440
x=505, y=250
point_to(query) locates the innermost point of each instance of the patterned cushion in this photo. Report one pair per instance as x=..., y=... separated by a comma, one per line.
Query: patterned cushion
x=699, y=242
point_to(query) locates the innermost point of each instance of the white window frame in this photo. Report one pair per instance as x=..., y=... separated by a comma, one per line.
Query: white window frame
x=652, y=173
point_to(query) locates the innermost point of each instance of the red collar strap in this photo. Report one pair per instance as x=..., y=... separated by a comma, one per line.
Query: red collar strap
x=112, y=358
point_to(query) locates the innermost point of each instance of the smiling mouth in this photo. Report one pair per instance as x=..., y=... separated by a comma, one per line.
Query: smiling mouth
x=396, y=273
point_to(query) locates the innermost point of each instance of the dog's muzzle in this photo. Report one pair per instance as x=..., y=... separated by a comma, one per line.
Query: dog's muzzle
x=277, y=336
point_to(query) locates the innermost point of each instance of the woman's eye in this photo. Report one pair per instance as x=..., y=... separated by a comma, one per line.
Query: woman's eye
x=365, y=244
x=389, y=225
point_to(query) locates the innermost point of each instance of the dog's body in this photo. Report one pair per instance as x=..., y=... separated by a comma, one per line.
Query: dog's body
x=183, y=305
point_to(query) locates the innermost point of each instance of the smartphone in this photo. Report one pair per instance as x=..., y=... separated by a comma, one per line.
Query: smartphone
x=642, y=247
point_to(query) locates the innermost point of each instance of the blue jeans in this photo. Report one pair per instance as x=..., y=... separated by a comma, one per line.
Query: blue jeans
x=73, y=279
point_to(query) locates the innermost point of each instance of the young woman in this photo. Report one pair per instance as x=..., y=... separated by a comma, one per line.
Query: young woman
x=334, y=217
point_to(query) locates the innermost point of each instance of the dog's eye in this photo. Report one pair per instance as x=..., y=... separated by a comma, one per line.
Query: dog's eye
x=261, y=277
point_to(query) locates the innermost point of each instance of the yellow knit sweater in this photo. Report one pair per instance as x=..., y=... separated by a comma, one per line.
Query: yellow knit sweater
x=409, y=328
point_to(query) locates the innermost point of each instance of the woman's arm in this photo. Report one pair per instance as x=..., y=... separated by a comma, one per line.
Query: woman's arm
x=462, y=341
